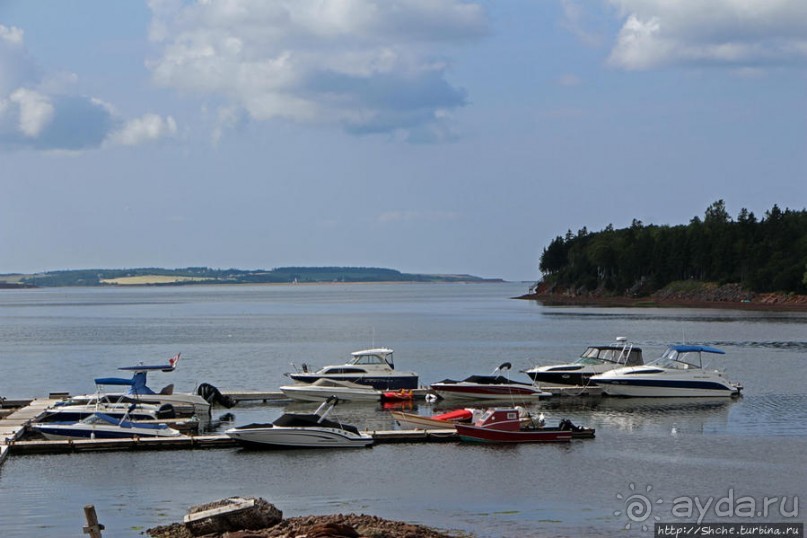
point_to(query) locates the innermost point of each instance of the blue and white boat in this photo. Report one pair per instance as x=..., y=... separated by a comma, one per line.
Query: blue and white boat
x=374, y=367
x=679, y=372
x=594, y=360
x=137, y=391
x=71, y=410
x=101, y=426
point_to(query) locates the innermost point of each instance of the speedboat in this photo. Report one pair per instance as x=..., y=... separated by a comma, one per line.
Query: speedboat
x=139, y=392
x=488, y=387
x=594, y=360
x=373, y=367
x=678, y=372
x=101, y=426
x=509, y=425
x=301, y=430
x=321, y=389
x=71, y=410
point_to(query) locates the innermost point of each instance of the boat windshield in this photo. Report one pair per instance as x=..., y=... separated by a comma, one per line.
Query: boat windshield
x=676, y=360
x=616, y=355
x=374, y=357
x=96, y=419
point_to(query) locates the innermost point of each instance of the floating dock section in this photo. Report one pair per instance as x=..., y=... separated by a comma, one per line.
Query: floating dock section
x=187, y=442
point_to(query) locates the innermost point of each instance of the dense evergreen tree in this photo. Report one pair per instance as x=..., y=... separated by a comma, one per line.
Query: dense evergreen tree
x=763, y=255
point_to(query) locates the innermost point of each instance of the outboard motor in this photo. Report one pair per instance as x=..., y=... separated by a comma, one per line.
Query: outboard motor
x=166, y=411
x=214, y=395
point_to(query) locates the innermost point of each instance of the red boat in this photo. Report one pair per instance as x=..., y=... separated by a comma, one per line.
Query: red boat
x=504, y=425
x=401, y=395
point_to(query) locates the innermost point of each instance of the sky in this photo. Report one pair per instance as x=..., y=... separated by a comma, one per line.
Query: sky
x=428, y=136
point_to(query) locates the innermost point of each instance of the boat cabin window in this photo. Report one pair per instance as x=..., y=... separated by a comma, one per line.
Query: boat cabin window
x=340, y=370
x=368, y=359
x=372, y=359
x=617, y=355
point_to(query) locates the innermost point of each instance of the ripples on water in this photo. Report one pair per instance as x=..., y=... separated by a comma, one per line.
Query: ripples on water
x=246, y=337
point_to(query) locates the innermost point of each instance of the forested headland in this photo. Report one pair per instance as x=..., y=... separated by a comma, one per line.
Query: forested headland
x=717, y=255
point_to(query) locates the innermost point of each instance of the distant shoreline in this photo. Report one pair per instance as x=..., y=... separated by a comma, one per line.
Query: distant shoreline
x=767, y=302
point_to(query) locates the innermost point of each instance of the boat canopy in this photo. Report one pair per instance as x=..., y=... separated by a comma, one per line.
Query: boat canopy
x=137, y=384
x=379, y=355
x=113, y=381
x=689, y=348
x=684, y=356
x=627, y=355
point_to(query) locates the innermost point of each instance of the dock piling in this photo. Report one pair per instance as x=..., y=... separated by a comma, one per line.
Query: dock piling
x=93, y=528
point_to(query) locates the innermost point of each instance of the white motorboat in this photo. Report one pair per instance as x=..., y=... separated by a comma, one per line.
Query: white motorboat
x=302, y=430
x=101, y=426
x=139, y=392
x=71, y=410
x=321, y=389
x=488, y=387
x=374, y=367
x=593, y=361
x=679, y=372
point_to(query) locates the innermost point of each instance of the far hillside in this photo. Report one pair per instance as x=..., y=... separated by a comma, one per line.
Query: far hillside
x=153, y=276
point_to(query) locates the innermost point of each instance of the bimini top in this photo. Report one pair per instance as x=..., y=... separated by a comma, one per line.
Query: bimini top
x=688, y=348
x=379, y=355
x=684, y=356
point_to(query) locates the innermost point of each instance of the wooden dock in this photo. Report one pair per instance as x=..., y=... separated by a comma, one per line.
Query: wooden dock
x=16, y=416
x=189, y=442
x=12, y=426
x=277, y=396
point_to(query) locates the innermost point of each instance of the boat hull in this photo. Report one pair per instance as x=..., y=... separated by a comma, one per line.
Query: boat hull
x=376, y=382
x=279, y=437
x=561, y=378
x=478, y=434
x=460, y=391
x=184, y=404
x=311, y=393
x=55, y=431
x=650, y=388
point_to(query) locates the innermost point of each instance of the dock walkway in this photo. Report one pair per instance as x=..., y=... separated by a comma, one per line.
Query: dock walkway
x=187, y=442
x=12, y=427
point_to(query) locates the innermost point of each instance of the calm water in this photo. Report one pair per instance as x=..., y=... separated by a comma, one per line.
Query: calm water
x=246, y=338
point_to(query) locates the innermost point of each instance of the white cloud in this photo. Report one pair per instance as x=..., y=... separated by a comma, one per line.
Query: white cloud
x=736, y=33
x=38, y=112
x=35, y=111
x=147, y=128
x=369, y=66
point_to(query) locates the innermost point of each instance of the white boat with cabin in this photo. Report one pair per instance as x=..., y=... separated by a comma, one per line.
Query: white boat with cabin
x=374, y=367
x=679, y=372
x=594, y=360
x=321, y=389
